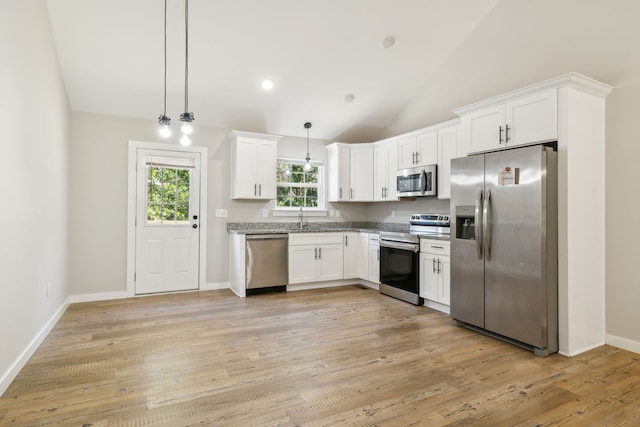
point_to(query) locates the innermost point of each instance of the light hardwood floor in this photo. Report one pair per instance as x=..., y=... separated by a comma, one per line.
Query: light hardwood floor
x=339, y=356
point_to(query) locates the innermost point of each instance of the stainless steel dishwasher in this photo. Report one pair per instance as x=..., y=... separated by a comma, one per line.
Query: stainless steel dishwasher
x=267, y=262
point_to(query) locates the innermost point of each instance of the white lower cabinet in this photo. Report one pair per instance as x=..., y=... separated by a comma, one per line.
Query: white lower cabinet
x=374, y=258
x=435, y=267
x=351, y=254
x=315, y=257
x=363, y=256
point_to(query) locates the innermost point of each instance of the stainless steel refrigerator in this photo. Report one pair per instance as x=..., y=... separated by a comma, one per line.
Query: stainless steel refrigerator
x=504, y=219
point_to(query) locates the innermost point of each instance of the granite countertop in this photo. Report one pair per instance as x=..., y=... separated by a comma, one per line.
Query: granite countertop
x=321, y=227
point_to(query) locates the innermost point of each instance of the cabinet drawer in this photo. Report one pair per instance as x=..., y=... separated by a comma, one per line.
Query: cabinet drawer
x=314, y=238
x=437, y=247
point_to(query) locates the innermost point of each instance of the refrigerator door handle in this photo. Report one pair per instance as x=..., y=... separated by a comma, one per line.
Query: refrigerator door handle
x=478, y=220
x=486, y=232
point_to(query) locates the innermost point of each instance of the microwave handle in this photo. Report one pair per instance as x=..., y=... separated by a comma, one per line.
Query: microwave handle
x=423, y=181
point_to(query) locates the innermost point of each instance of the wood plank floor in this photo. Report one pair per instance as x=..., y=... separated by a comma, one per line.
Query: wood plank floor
x=331, y=357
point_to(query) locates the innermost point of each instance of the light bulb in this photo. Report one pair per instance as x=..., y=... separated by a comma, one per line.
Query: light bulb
x=165, y=131
x=186, y=128
x=185, y=140
x=307, y=166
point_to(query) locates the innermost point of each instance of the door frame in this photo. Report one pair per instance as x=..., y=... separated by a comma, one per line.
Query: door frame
x=132, y=205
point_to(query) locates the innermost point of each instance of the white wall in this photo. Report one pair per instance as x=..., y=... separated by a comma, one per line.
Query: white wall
x=33, y=181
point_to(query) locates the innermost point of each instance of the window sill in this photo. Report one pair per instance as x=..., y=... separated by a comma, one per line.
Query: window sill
x=296, y=213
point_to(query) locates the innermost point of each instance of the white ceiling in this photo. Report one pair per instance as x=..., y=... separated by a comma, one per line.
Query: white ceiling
x=316, y=51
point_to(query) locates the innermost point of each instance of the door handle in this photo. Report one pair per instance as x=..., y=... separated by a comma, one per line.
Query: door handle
x=319, y=253
x=438, y=266
x=478, y=221
x=434, y=265
x=315, y=253
x=486, y=231
x=506, y=134
x=500, y=134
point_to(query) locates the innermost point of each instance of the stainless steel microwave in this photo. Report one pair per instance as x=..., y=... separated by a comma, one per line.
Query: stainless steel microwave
x=416, y=182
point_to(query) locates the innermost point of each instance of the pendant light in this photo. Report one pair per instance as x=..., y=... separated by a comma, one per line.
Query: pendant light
x=186, y=118
x=164, y=120
x=307, y=160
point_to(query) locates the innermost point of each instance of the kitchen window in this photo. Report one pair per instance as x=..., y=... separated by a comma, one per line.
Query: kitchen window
x=297, y=188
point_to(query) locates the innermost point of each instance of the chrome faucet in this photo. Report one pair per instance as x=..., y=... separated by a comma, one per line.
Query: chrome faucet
x=301, y=219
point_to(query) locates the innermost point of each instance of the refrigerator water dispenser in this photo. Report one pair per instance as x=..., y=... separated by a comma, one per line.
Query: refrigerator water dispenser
x=465, y=222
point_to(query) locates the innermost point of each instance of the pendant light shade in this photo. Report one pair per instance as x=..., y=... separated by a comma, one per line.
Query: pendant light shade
x=164, y=120
x=307, y=160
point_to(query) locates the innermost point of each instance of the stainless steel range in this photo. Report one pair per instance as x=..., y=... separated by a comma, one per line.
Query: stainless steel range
x=400, y=256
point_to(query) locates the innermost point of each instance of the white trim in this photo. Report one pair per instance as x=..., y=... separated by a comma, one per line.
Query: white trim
x=15, y=368
x=215, y=286
x=131, y=206
x=296, y=212
x=623, y=343
x=102, y=296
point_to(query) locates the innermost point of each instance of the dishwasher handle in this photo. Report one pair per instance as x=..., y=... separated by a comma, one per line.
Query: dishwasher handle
x=267, y=236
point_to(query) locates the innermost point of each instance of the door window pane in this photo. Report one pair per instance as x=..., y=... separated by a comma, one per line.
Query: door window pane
x=167, y=195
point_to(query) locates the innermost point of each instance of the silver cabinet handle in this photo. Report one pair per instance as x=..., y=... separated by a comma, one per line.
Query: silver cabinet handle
x=260, y=189
x=499, y=134
x=437, y=247
x=486, y=231
x=315, y=253
x=255, y=189
x=319, y=253
x=417, y=157
x=434, y=265
x=438, y=265
x=352, y=193
x=346, y=240
x=413, y=158
x=477, y=221
x=506, y=134
x=340, y=196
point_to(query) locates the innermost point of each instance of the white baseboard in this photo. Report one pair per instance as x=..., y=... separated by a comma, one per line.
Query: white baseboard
x=623, y=343
x=103, y=296
x=11, y=373
x=215, y=286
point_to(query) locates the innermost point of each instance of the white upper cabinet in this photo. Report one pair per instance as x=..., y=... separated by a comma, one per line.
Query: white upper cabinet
x=385, y=164
x=525, y=120
x=350, y=172
x=253, y=165
x=418, y=150
x=447, y=150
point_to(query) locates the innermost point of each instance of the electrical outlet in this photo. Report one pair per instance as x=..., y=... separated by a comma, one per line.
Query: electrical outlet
x=338, y=213
x=393, y=214
x=221, y=213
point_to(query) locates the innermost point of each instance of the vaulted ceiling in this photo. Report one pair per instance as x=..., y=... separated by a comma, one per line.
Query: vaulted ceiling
x=447, y=53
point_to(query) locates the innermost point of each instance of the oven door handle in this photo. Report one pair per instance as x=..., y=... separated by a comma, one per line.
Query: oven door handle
x=399, y=245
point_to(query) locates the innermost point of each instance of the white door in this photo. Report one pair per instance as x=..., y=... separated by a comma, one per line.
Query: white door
x=167, y=221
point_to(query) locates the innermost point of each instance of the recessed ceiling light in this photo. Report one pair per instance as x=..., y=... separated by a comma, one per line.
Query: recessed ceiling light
x=267, y=84
x=348, y=98
x=388, y=42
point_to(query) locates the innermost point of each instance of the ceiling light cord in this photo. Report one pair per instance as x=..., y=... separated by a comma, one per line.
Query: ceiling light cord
x=164, y=120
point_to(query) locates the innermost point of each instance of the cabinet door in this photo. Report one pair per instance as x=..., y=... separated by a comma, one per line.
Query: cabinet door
x=330, y=262
x=361, y=174
x=245, y=169
x=447, y=150
x=444, y=295
x=427, y=148
x=406, y=152
x=481, y=130
x=267, y=163
x=428, y=277
x=351, y=250
x=532, y=119
x=363, y=256
x=302, y=264
x=380, y=172
x=344, y=165
x=374, y=264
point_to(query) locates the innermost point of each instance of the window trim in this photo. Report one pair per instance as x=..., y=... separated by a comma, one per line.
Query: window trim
x=321, y=210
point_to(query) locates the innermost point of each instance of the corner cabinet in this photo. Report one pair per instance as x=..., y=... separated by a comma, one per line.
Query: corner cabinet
x=253, y=165
x=315, y=257
x=350, y=172
x=524, y=120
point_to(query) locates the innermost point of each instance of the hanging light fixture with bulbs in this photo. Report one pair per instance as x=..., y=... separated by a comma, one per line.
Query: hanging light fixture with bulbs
x=164, y=120
x=307, y=160
x=186, y=118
